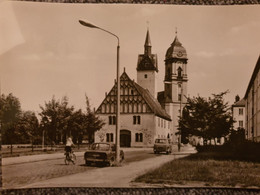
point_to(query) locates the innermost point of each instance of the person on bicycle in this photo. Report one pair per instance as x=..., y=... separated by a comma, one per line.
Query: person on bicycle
x=69, y=144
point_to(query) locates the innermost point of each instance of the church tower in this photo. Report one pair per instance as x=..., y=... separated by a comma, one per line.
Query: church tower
x=147, y=68
x=175, y=83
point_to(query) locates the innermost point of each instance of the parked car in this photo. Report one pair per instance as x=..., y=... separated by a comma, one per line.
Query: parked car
x=162, y=145
x=102, y=153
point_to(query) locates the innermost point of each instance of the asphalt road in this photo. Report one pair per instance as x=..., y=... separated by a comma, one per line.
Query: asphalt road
x=18, y=175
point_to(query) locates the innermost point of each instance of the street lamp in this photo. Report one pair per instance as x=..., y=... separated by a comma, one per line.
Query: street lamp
x=179, y=144
x=118, y=89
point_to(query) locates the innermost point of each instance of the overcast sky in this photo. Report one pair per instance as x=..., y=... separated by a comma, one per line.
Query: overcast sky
x=45, y=52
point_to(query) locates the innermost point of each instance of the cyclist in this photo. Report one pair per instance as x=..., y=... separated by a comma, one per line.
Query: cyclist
x=69, y=144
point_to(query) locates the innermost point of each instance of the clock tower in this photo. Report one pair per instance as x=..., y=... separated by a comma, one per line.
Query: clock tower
x=147, y=68
x=175, y=83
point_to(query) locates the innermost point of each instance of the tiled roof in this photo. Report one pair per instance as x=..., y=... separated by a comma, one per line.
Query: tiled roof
x=152, y=102
x=240, y=103
x=256, y=70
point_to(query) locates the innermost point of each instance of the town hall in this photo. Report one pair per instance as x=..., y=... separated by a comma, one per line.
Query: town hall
x=145, y=113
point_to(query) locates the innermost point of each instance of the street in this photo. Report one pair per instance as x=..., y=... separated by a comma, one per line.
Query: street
x=18, y=175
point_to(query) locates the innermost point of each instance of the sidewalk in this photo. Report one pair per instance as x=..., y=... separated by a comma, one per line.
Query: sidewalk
x=112, y=176
x=41, y=157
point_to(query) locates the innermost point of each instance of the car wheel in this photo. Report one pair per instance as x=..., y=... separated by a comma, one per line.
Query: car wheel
x=122, y=159
x=87, y=163
x=111, y=162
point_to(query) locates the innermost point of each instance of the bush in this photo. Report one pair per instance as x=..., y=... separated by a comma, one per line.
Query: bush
x=246, y=150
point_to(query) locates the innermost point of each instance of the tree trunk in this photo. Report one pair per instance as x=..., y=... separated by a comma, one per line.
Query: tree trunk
x=215, y=141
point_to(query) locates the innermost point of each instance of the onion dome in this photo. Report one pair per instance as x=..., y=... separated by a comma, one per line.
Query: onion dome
x=176, y=50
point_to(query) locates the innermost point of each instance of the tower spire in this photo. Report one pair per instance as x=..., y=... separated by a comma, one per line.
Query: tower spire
x=147, y=44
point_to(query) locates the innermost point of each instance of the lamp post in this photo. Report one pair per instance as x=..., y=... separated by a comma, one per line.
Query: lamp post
x=118, y=88
x=179, y=144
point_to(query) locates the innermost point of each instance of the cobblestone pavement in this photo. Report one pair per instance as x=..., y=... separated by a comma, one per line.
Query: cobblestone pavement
x=17, y=175
x=133, y=191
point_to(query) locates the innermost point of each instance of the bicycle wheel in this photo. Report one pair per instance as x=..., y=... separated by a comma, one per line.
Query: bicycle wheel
x=73, y=158
x=67, y=160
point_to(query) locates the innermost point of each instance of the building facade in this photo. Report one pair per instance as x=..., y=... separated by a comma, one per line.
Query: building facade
x=252, y=105
x=146, y=114
x=239, y=114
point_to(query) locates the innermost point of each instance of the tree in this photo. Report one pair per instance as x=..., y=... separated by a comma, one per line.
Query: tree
x=28, y=128
x=93, y=123
x=78, y=126
x=209, y=118
x=10, y=112
x=55, y=119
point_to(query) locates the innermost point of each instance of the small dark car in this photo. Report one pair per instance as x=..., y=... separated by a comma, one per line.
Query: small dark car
x=102, y=153
x=162, y=145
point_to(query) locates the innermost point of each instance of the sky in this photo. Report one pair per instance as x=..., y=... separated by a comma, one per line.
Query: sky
x=45, y=52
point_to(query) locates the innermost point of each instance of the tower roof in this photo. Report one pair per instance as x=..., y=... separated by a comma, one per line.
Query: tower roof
x=147, y=61
x=176, y=50
x=148, y=40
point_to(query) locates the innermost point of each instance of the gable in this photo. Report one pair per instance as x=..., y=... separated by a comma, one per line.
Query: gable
x=131, y=101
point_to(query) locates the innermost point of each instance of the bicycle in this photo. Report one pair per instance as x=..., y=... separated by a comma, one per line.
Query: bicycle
x=69, y=157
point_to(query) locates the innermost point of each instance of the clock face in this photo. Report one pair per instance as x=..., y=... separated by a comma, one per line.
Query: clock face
x=179, y=54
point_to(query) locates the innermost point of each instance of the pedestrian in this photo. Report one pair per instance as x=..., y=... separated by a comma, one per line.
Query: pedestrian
x=69, y=144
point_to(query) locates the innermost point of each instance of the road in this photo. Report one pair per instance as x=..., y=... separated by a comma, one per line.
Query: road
x=18, y=175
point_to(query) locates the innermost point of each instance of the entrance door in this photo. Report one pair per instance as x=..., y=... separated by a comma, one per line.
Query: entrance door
x=125, y=138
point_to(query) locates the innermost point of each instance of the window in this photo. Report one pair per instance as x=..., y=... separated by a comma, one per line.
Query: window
x=136, y=120
x=158, y=122
x=241, y=123
x=110, y=137
x=112, y=120
x=161, y=122
x=165, y=124
x=138, y=137
x=240, y=111
x=179, y=97
x=145, y=76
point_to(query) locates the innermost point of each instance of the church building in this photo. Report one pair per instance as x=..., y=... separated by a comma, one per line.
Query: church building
x=145, y=113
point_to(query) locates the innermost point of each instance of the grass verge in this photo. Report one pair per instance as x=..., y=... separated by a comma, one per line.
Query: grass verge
x=205, y=168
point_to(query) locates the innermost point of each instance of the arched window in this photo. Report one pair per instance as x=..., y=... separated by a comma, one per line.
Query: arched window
x=103, y=108
x=135, y=107
x=126, y=91
x=112, y=108
x=139, y=107
x=107, y=108
x=130, y=108
x=144, y=108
